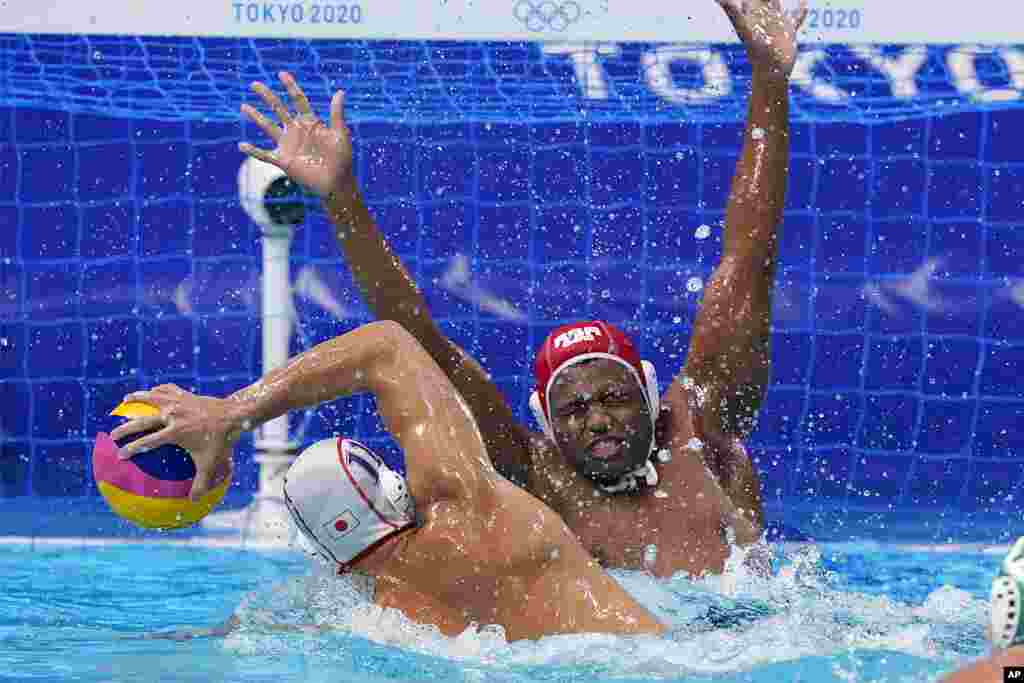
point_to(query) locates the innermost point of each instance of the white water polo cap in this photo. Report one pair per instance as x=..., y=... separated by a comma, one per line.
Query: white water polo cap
x=1007, y=590
x=345, y=500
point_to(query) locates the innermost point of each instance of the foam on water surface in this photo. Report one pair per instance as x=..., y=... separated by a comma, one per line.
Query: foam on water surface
x=805, y=617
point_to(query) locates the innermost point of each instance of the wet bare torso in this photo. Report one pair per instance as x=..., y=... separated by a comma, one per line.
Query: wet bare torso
x=684, y=518
x=516, y=564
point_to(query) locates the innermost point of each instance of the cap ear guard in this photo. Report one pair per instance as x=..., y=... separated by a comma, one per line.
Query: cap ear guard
x=539, y=416
x=651, y=387
x=395, y=490
x=1007, y=589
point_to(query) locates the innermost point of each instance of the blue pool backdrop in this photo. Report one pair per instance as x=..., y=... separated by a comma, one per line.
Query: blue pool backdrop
x=126, y=260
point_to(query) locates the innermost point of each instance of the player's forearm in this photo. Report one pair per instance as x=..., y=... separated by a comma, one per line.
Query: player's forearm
x=345, y=365
x=758, y=194
x=744, y=490
x=392, y=295
x=730, y=345
x=389, y=291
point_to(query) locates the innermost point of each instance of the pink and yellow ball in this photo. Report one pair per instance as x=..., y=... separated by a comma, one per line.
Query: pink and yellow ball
x=151, y=490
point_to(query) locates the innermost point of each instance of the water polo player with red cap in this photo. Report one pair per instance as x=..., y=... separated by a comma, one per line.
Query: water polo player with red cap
x=643, y=481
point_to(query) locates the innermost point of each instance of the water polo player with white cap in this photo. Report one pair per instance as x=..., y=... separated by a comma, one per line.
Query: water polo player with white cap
x=346, y=501
x=594, y=362
x=452, y=543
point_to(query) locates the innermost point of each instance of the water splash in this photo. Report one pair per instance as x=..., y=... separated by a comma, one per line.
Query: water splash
x=805, y=614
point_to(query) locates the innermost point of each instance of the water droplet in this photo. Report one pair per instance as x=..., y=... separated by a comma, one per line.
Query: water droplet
x=694, y=284
x=702, y=232
x=757, y=133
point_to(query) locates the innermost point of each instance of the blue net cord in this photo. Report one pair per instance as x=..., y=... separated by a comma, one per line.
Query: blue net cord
x=174, y=79
x=897, y=351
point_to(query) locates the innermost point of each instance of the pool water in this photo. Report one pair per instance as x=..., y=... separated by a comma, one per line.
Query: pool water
x=829, y=613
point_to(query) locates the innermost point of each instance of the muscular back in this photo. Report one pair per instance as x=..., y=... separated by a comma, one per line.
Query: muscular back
x=517, y=565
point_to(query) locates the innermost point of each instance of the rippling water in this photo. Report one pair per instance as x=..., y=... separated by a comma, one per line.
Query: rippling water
x=829, y=613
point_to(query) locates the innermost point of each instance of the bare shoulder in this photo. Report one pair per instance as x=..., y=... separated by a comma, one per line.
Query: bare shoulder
x=509, y=536
x=446, y=528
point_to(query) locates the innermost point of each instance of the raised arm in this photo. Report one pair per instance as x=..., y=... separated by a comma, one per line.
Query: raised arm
x=444, y=452
x=320, y=158
x=445, y=455
x=729, y=356
x=392, y=294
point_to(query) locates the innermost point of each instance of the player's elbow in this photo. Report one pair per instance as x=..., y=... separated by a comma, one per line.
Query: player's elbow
x=392, y=330
x=401, y=343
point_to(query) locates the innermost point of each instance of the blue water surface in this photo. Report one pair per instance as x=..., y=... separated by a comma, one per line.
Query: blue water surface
x=849, y=612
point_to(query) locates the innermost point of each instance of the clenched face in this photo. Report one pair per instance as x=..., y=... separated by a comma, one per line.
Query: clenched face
x=601, y=420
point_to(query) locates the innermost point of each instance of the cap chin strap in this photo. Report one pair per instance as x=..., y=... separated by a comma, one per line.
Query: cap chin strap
x=1007, y=590
x=643, y=476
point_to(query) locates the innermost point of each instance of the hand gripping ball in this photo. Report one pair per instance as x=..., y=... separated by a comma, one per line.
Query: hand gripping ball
x=151, y=490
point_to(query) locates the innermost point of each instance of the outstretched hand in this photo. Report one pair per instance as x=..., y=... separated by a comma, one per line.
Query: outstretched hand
x=202, y=425
x=768, y=32
x=315, y=155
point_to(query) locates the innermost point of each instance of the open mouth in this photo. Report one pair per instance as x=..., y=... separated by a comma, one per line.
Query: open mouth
x=606, y=449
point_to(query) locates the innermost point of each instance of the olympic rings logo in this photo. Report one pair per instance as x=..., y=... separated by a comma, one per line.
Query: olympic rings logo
x=547, y=15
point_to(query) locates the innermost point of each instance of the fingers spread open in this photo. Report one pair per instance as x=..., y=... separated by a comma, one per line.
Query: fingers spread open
x=274, y=102
x=338, y=111
x=272, y=130
x=801, y=14
x=257, y=153
x=734, y=11
x=296, y=94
